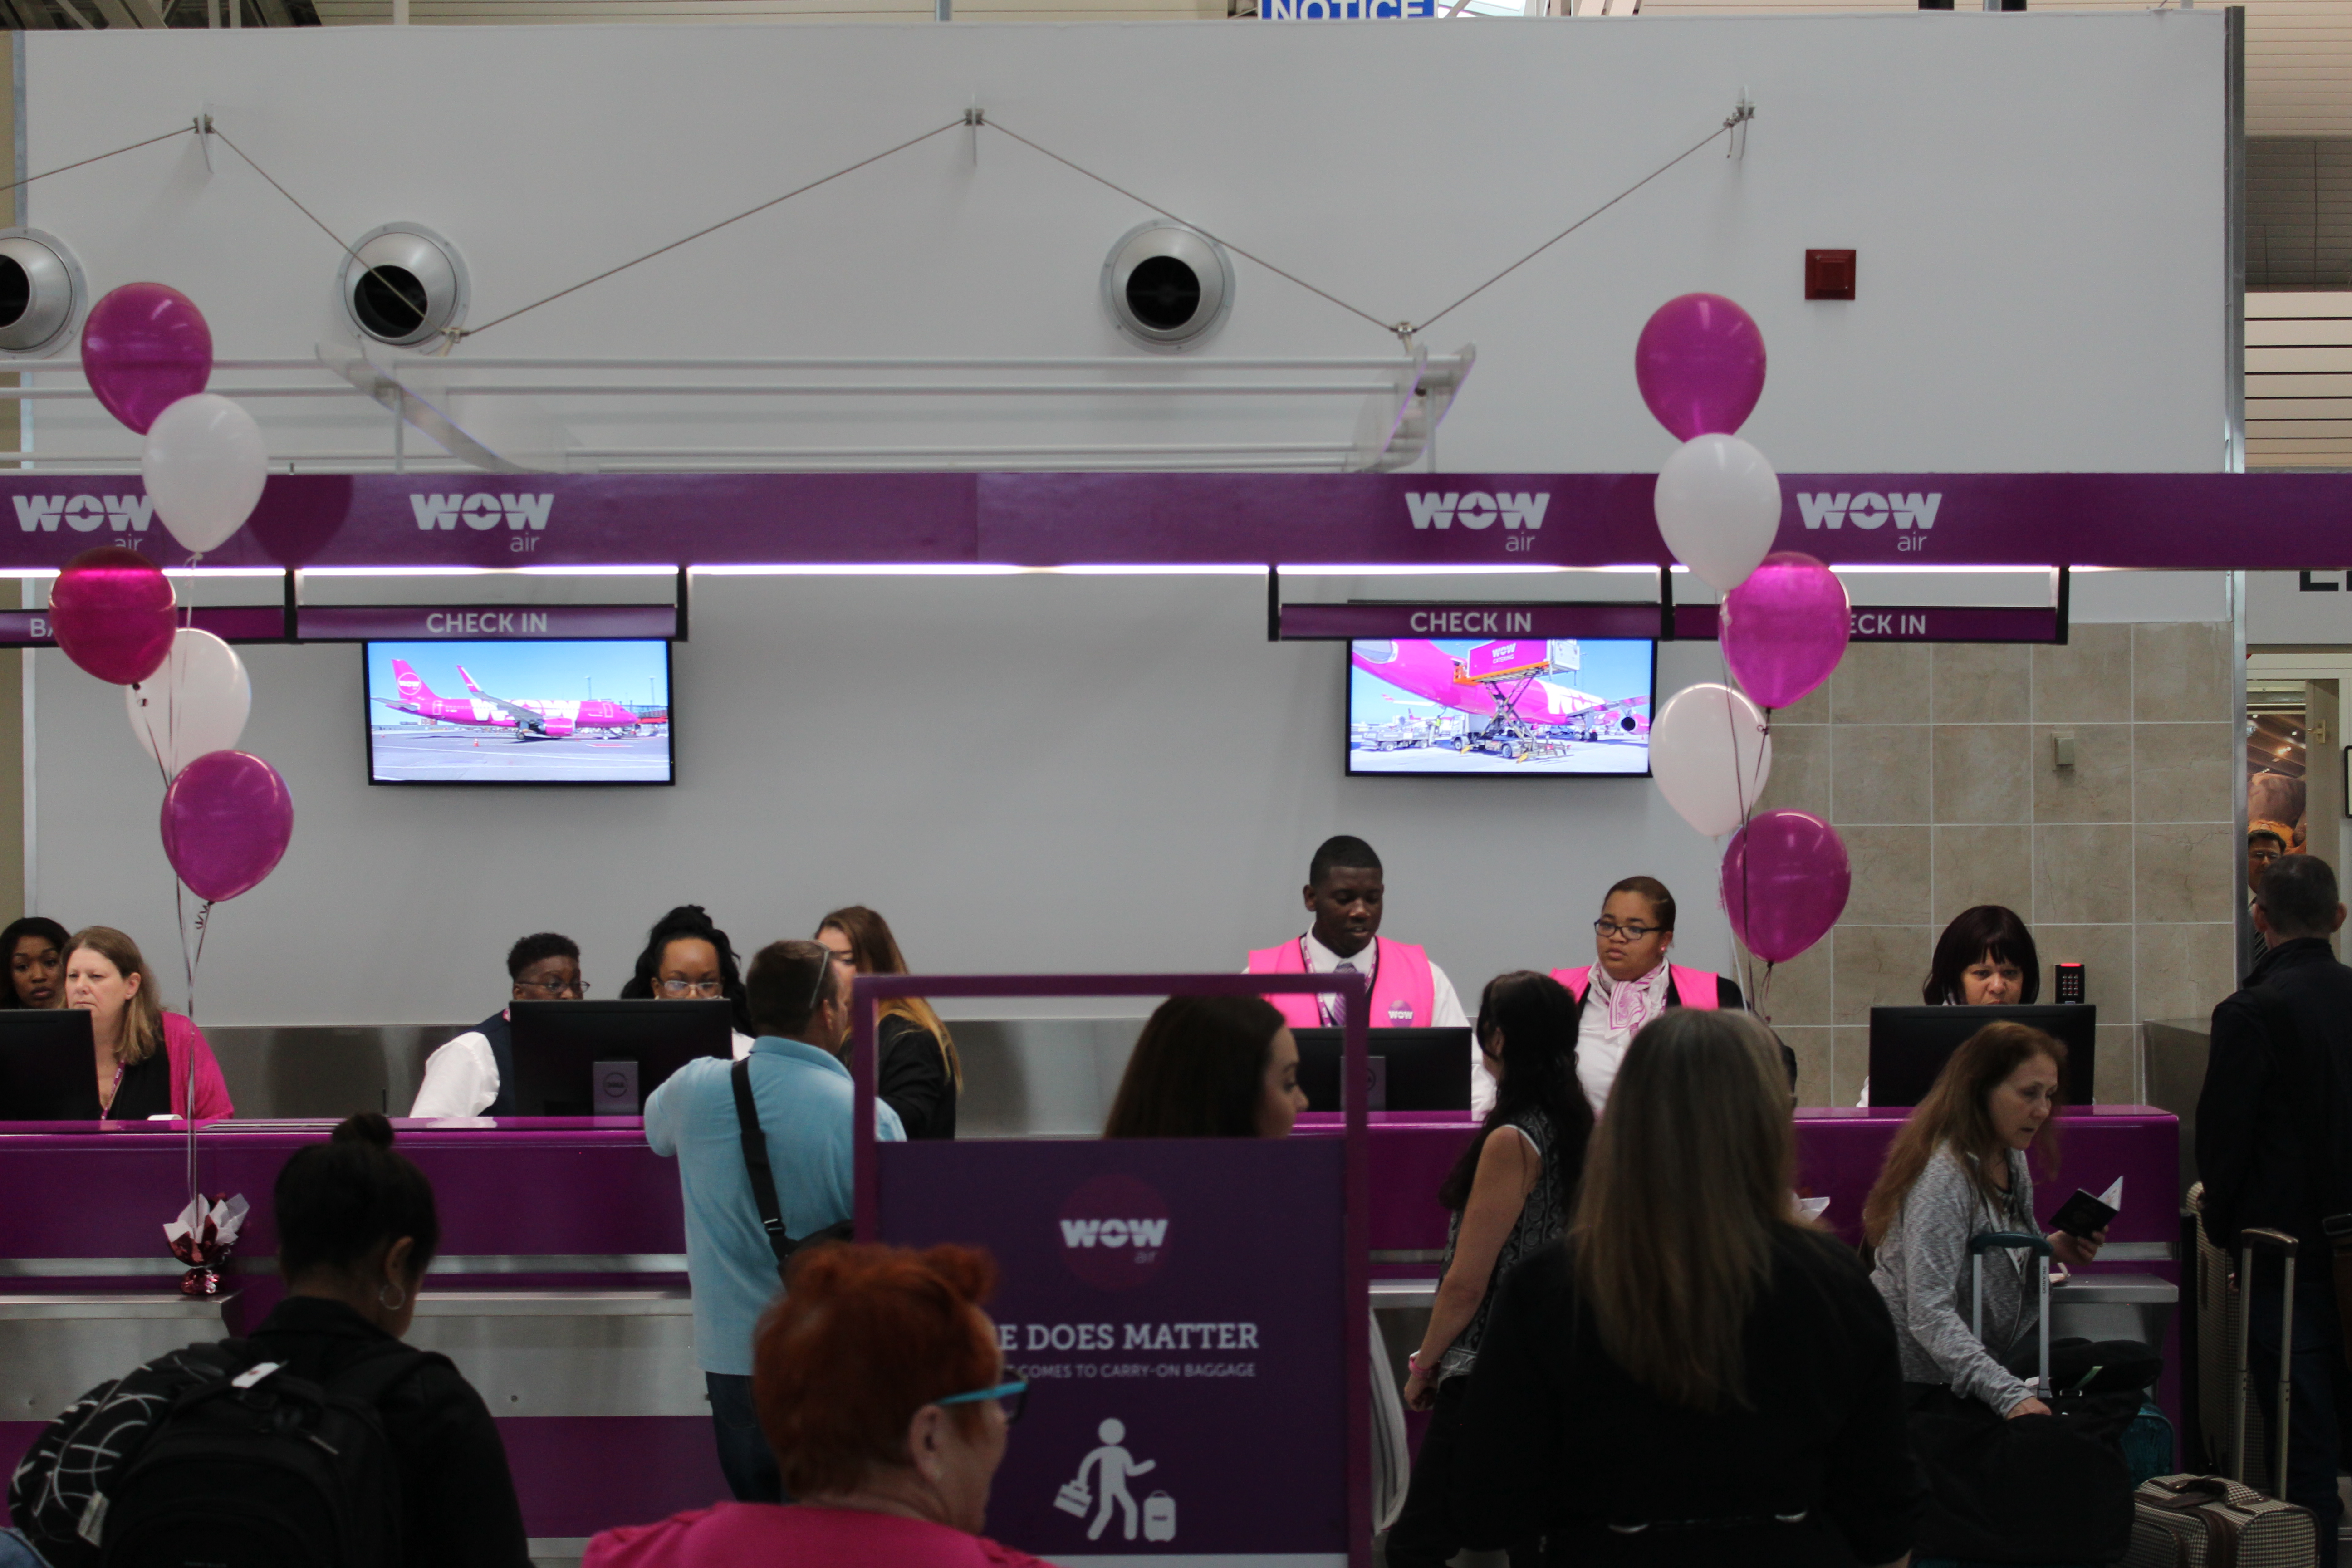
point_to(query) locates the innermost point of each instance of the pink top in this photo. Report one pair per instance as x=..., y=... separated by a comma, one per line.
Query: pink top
x=734, y=1534
x=180, y=1036
x=1404, y=991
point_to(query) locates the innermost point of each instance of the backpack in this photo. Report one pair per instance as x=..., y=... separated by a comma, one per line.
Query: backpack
x=213, y=1455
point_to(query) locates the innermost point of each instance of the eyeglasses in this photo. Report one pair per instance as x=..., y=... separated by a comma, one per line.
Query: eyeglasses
x=556, y=988
x=1607, y=926
x=690, y=988
x=1012, y=1397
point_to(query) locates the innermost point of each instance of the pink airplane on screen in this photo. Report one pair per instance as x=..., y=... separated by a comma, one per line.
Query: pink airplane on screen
x=544, y=720
x=1511, y=672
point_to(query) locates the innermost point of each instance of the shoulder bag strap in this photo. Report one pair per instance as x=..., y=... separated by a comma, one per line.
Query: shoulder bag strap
x=755, y=1159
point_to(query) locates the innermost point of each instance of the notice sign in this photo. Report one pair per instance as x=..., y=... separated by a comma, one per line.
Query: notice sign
x=1177, y=1308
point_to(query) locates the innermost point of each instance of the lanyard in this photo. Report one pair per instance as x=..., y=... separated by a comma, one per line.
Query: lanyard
x=1330, y=1014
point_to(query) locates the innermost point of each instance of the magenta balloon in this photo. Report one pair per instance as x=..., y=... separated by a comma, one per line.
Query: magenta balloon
x=1785, y=880
x=1785, y=629
x=1700, y=363
x=226, y=822
x=112, y=611
x=145, y=347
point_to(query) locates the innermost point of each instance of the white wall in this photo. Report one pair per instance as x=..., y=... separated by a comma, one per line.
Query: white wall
x=2036, y=200
x=1027, y=773
x=1100, y=773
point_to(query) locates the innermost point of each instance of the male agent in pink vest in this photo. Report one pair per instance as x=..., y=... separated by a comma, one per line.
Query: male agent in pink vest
x=1633, y=984
x=1344, y=894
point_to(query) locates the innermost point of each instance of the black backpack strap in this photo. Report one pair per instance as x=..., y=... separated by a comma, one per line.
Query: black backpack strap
x=755, y=1159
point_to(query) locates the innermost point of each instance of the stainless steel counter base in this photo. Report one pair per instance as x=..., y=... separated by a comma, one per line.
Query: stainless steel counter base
x=568, y=1352
x=54, y=1349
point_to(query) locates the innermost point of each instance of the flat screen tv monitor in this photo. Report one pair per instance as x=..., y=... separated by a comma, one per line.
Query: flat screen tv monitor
x=1533, y=708
x=1412, y=1069
x=558, y=712
x=46, y=1073
x=1909, y=1046
x=604, y=1058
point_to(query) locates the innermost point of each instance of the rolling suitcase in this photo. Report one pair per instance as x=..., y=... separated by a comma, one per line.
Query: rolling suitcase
x=2190, y=1521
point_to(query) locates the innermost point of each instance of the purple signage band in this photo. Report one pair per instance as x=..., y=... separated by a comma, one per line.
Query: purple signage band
x=1917, y=623
x=2204, y=521
x=230, y=623
x=1081, y=1225
x=482, y=622
x=1343, y=622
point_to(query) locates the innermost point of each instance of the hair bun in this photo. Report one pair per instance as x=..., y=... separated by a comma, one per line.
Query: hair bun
x=367, y=1127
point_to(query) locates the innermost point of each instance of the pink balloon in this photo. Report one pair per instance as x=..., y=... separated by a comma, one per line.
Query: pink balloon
x=112, y=611
x=1785, y=629
x=1785, y=881
x=143, y=348
x=1700, y=363
x=226, y=822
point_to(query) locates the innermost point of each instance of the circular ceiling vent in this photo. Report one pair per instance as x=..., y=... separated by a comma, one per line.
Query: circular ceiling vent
x=403, y=284
x=41, y=292
x=1166, y=286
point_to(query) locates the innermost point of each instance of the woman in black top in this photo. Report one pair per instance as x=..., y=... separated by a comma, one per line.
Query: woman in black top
x=686, y=958
x=356, y=1227
x=1699, y=1375
x=916, y=1072
x=1510, y=1193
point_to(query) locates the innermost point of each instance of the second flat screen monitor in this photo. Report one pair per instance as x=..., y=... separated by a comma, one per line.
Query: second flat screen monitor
x=592, y=1059
x=1412, y=1069
x=578, y=712
x=1909, y=1046
x=1536, y=707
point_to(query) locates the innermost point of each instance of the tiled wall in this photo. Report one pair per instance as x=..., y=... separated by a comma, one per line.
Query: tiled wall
x=1936, y=764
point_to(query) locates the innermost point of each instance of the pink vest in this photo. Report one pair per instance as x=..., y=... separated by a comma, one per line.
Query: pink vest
x=1692, y=987
x=1404, y=994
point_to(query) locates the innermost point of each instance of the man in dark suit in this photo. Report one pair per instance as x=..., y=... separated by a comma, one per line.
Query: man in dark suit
x=2275, y=1146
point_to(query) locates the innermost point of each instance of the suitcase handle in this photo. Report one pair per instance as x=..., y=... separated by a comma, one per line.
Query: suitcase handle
x=2249, y=1241
x=2011, y=1241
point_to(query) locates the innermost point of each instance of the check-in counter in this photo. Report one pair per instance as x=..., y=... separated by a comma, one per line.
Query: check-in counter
x=560, y=1289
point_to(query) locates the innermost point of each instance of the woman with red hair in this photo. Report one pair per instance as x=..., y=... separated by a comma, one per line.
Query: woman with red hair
x=881, y=1389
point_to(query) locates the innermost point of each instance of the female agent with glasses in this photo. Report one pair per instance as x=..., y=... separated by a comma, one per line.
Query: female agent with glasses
x=687, y=958
x=1632, y=983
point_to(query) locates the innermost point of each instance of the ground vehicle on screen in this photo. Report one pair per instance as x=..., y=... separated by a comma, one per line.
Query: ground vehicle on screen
x=549, y=718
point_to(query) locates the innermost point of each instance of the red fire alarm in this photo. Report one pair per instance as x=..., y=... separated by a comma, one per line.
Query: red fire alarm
x=1829, y=275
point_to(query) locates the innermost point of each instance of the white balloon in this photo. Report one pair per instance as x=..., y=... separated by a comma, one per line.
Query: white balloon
x=1711, y=754
x=205, y=466
x=1719, y=505
x=196, y=703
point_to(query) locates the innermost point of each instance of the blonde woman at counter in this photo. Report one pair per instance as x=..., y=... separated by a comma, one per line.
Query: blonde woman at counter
x=145, y=1057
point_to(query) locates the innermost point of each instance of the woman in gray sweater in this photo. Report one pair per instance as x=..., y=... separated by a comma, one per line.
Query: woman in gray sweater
x=1958, y=1169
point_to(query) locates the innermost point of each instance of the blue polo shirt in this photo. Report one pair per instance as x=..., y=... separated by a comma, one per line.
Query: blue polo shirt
x=804, y=1098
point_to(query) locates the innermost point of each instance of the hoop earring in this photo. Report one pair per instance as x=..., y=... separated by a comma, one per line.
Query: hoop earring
x=391, y=1306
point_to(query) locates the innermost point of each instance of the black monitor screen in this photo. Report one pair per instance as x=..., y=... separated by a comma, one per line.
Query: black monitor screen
x=1534, y=707
x=46, y=1058
x=1909, y=1046
x=1412, y=1069
x=578, y=1059
x=581, y=712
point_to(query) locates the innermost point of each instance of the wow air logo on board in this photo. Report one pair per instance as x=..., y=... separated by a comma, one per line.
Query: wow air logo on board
x=481, y=510
x=1114, y=1231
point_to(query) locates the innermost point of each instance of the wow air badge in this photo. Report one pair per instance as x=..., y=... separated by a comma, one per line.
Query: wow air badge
x=1400, y=1013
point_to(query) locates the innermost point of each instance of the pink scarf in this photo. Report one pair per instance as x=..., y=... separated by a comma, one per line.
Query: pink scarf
x=1632, y=1003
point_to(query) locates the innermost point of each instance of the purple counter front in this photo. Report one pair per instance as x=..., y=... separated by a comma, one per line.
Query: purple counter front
x=559, y=1289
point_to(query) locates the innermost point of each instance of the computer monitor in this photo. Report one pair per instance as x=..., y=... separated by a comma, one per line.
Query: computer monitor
x=595, y=1058
x=45, y=1071
x=1412, y=1069
x=1909, y=1046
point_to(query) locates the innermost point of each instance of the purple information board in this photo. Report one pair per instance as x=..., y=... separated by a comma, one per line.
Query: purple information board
x=1192, y=1315
x=1175, y=1307
x=482, y=623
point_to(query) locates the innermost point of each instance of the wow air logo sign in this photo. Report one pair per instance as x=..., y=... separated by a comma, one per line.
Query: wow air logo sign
x=1522, y=513
x=523, y=515
x=1912, y=513
x=85, y=514
x=1114, y=1232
